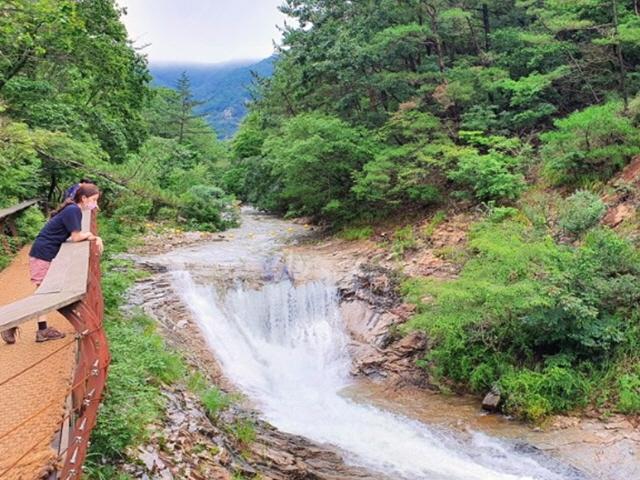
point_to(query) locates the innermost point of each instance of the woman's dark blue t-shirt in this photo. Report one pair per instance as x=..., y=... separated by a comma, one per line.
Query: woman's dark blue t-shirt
x=48, y=242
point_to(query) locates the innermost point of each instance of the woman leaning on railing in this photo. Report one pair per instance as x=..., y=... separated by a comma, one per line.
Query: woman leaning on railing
x=65, y=224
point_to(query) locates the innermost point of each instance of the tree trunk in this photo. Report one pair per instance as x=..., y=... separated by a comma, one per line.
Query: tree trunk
x=622, y=71
x=52, y=187
x=487, y=26
x=474, y=40
x=433, y=20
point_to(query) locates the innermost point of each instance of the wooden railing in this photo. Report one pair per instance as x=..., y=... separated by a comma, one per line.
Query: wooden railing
x=6, y=218
x=72, y=286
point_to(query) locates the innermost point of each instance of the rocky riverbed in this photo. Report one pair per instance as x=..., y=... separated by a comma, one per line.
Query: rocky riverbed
x=382, y=360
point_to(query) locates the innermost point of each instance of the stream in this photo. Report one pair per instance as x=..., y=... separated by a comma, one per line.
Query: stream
x=273, y=322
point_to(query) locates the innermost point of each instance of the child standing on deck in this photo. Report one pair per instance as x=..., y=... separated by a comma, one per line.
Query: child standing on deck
x=65, y=223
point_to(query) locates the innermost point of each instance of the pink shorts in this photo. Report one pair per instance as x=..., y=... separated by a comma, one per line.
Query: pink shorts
x=38, y=269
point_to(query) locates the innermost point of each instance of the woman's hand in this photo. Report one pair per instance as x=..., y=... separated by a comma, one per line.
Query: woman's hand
x=100, y=245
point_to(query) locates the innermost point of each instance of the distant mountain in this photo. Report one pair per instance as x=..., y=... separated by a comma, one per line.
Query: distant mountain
x=223, y=86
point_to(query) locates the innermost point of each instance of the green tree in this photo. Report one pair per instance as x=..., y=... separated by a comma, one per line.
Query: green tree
x=313, y=157
x=589, y=145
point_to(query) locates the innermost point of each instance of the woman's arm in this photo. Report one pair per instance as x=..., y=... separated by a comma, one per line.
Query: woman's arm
x=82, y=236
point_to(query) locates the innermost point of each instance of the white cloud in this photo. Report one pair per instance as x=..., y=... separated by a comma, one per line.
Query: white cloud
x=203, y=31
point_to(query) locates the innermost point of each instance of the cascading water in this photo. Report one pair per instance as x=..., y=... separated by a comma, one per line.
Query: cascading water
x=285, y=347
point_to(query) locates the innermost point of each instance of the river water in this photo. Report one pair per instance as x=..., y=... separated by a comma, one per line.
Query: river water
x=281, y=340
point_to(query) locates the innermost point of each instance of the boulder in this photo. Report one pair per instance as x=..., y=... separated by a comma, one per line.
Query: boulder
x=491, y=401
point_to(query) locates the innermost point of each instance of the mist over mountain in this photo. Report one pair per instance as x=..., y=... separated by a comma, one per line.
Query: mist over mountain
x=224, y=87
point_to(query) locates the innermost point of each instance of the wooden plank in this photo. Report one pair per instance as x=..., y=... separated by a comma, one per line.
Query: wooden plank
x=7, y=212
x=69, y=270
x=28, y=308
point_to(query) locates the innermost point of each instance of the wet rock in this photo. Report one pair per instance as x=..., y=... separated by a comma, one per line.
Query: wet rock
x=491, y=401
x=375, y=285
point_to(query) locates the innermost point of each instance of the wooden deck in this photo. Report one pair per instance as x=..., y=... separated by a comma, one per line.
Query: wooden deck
x=7, y=212
x=40, y=391
x=50, y=392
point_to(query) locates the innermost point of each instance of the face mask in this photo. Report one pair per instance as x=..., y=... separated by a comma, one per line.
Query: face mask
x=92, y=205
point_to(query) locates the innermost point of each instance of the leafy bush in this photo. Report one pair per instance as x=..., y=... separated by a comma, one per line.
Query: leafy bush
x=521, y=299
x=208, y=208
x=500, y=214
x=429, y=229
x=591, y=144
x=581, y=211
x=629, y=396
x=403, y=240
x=534, y=395
x=29, y=223
x=132, y=209
x=356, y=233
x=405, y=169
x=244, y=431
x=215, y=401
x=141, y=363
x=493, y=176
x=19, y=163
x=313, y=157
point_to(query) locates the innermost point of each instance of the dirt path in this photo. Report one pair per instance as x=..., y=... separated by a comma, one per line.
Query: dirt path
x=31, y=404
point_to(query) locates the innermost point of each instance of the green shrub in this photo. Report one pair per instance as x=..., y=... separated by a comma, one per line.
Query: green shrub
x=140, y=364
x=29, y=223
x=581, y=211
x=197, y=383
x=404, y=170
x=356, y=233
x=215, y=401
x=494, y=176
x=132, y=209
x=591, y=144
x=404, y=240
x=629, y=393
x=312, y=160
x=244, y=431
x=429, y=229
x=5, y=259
x=208, y=208
x=534, y=395
x=500, y=214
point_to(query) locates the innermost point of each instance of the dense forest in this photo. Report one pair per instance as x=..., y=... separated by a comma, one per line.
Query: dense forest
x=525, y=110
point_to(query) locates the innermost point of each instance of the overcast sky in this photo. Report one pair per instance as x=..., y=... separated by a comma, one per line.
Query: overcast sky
x=203, y=31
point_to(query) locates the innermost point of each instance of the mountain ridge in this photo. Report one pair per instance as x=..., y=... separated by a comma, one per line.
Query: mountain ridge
x=223, y=87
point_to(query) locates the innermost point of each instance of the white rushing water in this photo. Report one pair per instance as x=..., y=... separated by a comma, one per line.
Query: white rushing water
x=285, y=347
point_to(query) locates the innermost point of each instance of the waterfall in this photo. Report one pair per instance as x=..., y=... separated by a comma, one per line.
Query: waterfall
x=285, y=347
